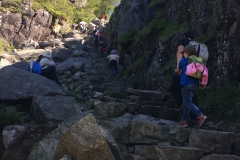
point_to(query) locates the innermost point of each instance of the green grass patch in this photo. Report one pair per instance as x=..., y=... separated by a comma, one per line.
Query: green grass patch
x=202, y=38
x=155, y=2
x=126, y=37
x=13, y=6
x=163, y=28
x=223, y=102
x=63, y=9
x=171, y=28
x=134, y=66
x=167, y=70
x=9, y=116
x=5, y=46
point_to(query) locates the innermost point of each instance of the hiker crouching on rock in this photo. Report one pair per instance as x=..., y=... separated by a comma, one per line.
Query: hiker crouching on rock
x=189, y=87
x=113, y=58
x=48, y=67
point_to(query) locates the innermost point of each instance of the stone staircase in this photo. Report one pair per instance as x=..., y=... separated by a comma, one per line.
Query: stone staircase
x=143, y=122
x=122, y=123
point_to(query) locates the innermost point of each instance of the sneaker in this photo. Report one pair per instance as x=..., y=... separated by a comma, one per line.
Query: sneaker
x=202, y=120
x=182, y=123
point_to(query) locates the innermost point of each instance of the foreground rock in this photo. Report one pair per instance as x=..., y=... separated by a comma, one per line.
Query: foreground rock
x=84, y=141
x=19, y=84
x=55, y=109
x=168, y=152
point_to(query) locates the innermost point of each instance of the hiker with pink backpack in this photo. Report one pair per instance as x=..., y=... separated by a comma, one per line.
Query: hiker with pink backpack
x=189, y=84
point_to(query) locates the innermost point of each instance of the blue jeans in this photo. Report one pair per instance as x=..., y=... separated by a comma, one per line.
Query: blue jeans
x=112, y=70
x=188, y=91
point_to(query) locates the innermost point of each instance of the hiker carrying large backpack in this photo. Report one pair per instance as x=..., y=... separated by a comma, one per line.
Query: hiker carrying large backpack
x=189, y=85
x=175, y=87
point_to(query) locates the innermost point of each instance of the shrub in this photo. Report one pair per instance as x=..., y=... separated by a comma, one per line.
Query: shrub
x=5, y=46
x=9, y=116
x=224, y=102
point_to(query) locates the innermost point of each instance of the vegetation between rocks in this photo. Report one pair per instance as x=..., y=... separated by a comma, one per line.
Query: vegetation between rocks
x=64, y=9
x=9, y=116
x=4, y=45
x=222, y=103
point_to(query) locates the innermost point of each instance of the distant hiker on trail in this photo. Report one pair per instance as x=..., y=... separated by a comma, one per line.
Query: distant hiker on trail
x=73, y=27
x=114, y=50
x=189, y=86
x=84, y=28
x=48, y=67
x=94, y=32
x=99, y=34
x=102, y=48
x=96, y=40
x=113, y=60
x=175, y=87
x=105, y=17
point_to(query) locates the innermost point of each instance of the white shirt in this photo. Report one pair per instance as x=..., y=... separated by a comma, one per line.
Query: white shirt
x=113, y=57
x=45, y=62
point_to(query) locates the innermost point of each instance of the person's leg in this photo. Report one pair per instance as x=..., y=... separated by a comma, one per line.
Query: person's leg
x=188, y=92
x=96, y=43
x=175, y=89
x=46, y=73
x=51, y=74
x=112, y=70
x=176, y=92
x=54, y=75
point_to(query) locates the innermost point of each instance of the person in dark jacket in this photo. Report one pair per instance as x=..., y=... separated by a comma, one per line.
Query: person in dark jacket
x=48, y=67
x=175, y=87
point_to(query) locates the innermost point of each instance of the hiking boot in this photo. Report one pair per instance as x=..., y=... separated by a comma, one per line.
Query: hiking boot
x=182, y=123
x=201, y=120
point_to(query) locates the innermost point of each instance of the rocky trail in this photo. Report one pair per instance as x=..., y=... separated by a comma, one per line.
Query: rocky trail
x=119, y=122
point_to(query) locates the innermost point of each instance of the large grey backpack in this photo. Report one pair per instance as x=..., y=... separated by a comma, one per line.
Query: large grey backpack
x=201, y=50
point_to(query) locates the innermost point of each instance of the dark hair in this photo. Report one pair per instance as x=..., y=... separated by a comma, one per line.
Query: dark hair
x=39, y=58
x=189, y=35
x=193, y=52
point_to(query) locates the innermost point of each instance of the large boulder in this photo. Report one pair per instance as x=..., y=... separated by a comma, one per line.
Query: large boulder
x=68, y=64
x=168, y=152
x=4, y=62
x=221, y=157
x=46, y=148
x=147, y=130
x=19, y=84
x=236, y=142
x=12, y=57
x=111, y=109
x=61, y=54
x=11, y=134
x=118, y=126
x=21, y=65
x=161, y=112
x=84, y=141
x=211, y=141
x=56, y=108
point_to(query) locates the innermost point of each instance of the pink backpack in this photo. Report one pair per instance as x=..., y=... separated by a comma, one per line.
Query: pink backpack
x=199, y=71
